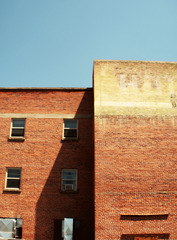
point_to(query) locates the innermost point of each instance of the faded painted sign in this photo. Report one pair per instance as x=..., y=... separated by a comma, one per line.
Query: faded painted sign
x=132, y=87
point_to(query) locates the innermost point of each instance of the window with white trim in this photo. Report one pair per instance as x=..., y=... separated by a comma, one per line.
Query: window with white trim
x=11, y=228
x=69, y=180
x=17, y=128
x=70, y=129
x=13, y=178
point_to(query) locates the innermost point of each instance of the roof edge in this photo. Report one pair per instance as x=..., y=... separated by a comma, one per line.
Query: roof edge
x=43, y=89
x=126, y=61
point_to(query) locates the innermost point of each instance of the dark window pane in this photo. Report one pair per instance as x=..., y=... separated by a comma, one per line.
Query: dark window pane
x=14, y=173
x=69, y=182
x=69, y=174
x=19, y=222
x=18, y=123
x=19, y=232
x=17, y=133
x=70, y=123
x=70, y=133
x=13, y=183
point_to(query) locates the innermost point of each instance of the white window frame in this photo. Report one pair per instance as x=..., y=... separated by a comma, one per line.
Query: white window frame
x=70, y=128
x=11, y=129
x=63, y=185
x=15, y=178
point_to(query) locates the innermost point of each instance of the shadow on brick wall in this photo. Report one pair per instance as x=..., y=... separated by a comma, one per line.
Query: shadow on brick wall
x=145, y=237
x=54, y=205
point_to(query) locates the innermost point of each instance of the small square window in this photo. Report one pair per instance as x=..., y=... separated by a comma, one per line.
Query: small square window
x=69, y=180
x=13, y=178
x=70, y=129
x=17, y=128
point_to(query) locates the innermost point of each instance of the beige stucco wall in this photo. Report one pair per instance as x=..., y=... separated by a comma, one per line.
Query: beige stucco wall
x=135, y=88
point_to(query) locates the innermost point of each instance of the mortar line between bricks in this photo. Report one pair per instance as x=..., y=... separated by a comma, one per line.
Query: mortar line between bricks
x=137, y=193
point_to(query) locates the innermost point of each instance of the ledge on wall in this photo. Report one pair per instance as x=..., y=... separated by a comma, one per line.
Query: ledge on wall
x=144, y=217
x=16, y=139
x=164, y=236
x=11, y=190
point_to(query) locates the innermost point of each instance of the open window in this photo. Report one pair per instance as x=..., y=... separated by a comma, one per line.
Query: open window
x=17, y=128
x=10, y=228
x=69, y=180
x=70, y=129
x=13, y=178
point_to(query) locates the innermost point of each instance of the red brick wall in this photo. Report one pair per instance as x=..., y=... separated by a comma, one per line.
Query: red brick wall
x=135, y=174
x=42, y=156
x=46, y=101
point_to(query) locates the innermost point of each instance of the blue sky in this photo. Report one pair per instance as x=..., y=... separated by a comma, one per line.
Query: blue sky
x=53, y=43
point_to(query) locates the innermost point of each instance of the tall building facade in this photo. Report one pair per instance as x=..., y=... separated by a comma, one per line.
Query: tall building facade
x=135, y=125
x=46, y=161
x=97, y=163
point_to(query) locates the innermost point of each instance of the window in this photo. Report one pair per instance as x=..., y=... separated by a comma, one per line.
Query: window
x=18, y=128
x=70, y=129
x=13, y=177
x=69, y=180
x=10, y=228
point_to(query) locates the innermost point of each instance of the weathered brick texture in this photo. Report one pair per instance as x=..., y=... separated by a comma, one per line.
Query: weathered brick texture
x=135, y=125
x=137, y=157
x=42, y=156
x=125, y=155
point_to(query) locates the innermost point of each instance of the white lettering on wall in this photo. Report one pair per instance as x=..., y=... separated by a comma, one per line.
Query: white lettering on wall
x=137, y=80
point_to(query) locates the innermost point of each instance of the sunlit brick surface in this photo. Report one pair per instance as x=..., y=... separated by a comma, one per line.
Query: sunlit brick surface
x=135, y=150
x=42, y=156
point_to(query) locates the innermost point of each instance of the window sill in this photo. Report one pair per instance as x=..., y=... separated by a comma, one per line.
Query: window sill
x=16, y=139
x=16, y=190
x=72, y=192
x=69, y=139
x=14, y=238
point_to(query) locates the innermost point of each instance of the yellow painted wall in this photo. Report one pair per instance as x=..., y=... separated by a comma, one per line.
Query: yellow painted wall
x=135, y=88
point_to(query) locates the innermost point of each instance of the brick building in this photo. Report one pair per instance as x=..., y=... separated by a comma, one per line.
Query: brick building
x=135, y=126
x=103, y=157
x=46, y=161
